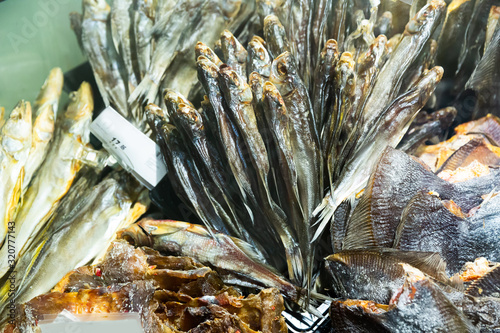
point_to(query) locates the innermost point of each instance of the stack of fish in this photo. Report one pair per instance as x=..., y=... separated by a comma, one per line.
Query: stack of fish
x=253, y=160
x=136, y=47
x=315, y=102
x=171, y=294
x=58, y=213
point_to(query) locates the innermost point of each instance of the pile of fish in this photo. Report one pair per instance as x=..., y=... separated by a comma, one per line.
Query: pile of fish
x=136, y=47
x=279, y=120
x=59, y=210
x=171, y=294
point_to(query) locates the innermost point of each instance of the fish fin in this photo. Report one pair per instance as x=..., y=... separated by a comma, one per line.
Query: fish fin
x=359, y=230
x=458, y=157
x=146, y=90
x=329, y=211
x=487, y=284
x=250, y=252
x=429, y=263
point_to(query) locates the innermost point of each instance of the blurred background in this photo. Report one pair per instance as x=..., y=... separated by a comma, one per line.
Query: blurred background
x=35, y=36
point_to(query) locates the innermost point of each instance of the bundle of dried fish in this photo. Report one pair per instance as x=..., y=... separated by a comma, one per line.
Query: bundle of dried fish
x=170, y=294
x=137, y=47
x=58, y=217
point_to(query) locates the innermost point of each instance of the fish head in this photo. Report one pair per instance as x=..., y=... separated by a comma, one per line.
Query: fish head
x=207, y=69
x=236, y=84
x=258, y=55
x=272, y=96
x=135, y=235
x=51, y=90
x=169, y=235
x=445, y=116
x=426, y=85
x=344, y=73
x=231, y=8
x=331, y=46
x=44, y=123
x=81, y=103
x=155, y=116
x=16, y=132
x=96, y=9
x=428, y=14
x=229, y=44
x=272, y=22
x=202, y=49
x=191, y=116
x=284, y=73
x=172, y=100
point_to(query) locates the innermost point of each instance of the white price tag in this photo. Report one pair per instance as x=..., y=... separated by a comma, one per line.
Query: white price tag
x=101, y=323
x=132, y=149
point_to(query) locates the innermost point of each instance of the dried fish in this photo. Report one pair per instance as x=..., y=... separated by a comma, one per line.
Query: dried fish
x=45, y=109
x=227, y=255
x=56, y=174
x=16, y=136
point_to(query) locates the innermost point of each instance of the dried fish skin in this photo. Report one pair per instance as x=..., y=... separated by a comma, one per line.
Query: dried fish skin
x=420, y=305
x=470, y=52
x=344, y=94
x=299, y=35
x=50, y=91
x=186, y=178
x=120, y=21
x=357, y=316
x=456, y=237
x=440, y=235
x=303, y=133
x=378, y=213
x=385, y=134
x=16, y=138
x=323, y=81
x=492, y=24
x=103, y=210
x=487, y=285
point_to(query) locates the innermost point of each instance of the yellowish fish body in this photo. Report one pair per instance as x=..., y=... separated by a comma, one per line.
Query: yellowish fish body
x=14, y=150
x=56, y=174
x=45, y=109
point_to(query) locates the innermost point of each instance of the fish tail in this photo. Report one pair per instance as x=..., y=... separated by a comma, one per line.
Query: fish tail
x=327, y=209
x=145, y=91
